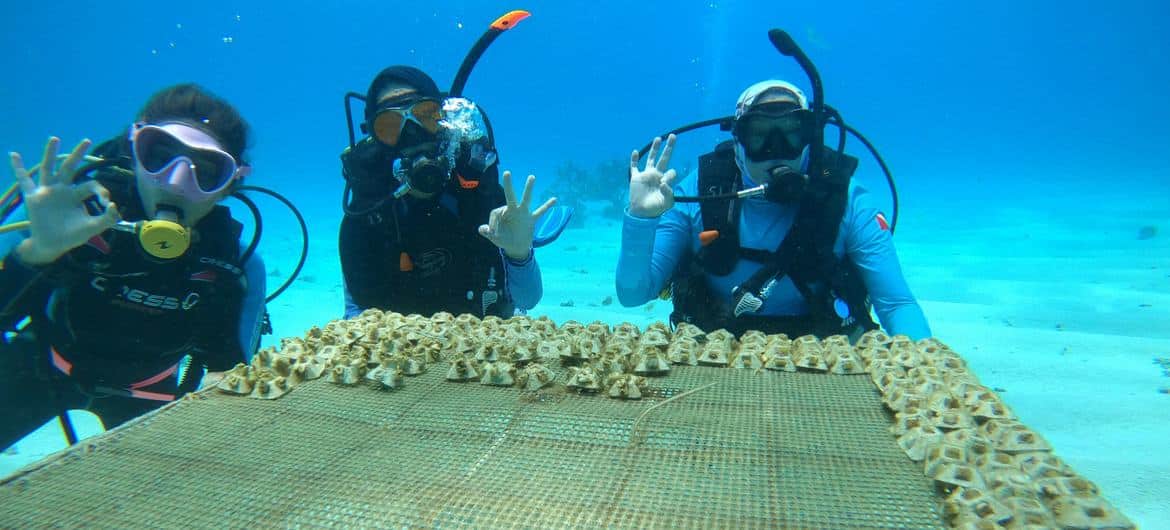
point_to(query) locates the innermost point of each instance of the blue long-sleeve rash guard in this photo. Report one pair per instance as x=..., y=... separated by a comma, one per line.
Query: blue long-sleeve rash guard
x=652, y=248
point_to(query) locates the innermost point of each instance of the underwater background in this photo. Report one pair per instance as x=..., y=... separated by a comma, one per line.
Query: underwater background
x=1028, y=140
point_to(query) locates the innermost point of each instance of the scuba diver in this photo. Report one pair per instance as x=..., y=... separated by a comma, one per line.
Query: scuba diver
x=427, y=225
x=128, y=267
x=781, y=240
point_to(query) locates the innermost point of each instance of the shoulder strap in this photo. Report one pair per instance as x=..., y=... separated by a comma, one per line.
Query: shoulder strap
x=718, y=174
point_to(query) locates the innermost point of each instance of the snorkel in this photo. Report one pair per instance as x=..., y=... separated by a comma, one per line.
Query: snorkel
x=786, y=46
x=497, y=28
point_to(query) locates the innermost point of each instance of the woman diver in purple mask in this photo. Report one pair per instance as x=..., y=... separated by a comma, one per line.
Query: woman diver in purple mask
x=128, y=266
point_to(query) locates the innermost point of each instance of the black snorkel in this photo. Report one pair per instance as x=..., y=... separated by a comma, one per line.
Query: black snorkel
x=823, y=115
x=505, y=22
x=498, y=27
x=786, y=46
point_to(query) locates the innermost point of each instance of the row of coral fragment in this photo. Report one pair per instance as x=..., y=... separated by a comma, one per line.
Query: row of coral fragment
x=387, y=348
x=994, y=470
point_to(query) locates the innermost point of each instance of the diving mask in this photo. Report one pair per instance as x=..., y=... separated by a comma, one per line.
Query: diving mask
x=390, y=121
x=184, y=160
x=774, y=131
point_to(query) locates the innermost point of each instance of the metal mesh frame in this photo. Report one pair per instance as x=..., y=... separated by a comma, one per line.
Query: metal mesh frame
x=758, y=449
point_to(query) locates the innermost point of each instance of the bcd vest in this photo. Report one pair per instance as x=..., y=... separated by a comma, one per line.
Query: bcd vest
x=418, y=256
x=832, y=287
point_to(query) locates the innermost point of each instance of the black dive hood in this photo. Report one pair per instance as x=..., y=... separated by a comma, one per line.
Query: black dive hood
x=823, y=116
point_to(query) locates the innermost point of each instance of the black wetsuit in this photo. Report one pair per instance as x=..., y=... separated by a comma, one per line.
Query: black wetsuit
x=423, y=256
x=114, y=319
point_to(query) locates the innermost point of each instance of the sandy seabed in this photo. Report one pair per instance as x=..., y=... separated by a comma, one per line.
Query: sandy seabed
x=1060, y=311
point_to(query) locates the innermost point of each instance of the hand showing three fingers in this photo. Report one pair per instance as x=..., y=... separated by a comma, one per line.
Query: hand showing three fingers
x=510, y=227
x=58, y=219
x=650, y=192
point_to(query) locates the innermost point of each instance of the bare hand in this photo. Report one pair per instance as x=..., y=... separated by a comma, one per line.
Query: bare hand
x=510, y=227
x=650, y=192
x=58, y=219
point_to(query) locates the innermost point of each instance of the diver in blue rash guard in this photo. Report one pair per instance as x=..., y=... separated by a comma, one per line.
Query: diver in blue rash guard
x=123, y=274
x=746, y=267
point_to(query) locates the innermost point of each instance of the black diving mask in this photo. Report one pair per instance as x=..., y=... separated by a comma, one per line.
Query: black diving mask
x=774, y=131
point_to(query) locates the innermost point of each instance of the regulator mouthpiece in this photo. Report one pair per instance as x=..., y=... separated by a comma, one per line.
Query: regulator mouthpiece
x=161, y=239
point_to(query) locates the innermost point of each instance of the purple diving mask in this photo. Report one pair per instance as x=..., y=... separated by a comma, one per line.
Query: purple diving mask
x=183, y=160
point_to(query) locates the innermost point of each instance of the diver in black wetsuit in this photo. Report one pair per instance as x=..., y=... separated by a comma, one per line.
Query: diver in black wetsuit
x=122, y=275
x=429, y=227
x=425, y=187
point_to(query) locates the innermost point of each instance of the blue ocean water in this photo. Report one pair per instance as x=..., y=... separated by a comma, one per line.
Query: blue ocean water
x=1053, y=108
x=984, y=90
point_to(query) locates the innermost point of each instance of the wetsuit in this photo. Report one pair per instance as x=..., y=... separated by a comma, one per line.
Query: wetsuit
x=653, y=248
x=108, y=325
x=423, y=256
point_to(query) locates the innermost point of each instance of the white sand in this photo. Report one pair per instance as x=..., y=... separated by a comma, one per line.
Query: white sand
x=1062, y=311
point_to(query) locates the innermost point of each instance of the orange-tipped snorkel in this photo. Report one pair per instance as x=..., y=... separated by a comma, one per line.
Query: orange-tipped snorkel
x=510, y=19
x=500, y=25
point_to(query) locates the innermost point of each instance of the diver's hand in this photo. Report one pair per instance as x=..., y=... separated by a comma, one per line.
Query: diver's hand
x=650, y=193
x=58, y=219
x=510, y=226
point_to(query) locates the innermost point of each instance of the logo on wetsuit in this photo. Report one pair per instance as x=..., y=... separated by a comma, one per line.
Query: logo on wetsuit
x=145, y=299
x=222, y=264
x=433, y=262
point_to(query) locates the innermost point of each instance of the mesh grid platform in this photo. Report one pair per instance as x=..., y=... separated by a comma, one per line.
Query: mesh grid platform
x=757, y=449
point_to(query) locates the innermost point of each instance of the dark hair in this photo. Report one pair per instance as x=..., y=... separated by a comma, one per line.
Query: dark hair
x=198, y=107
